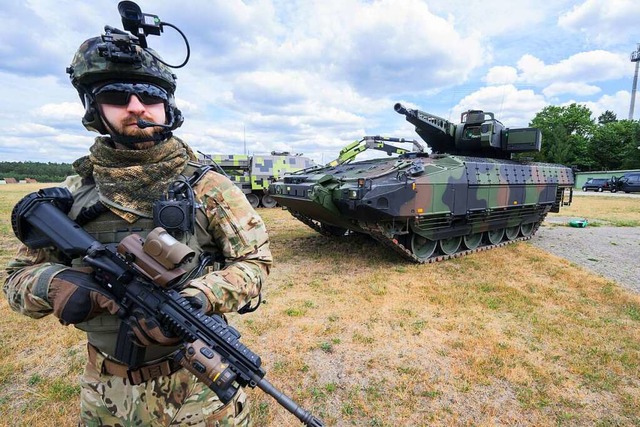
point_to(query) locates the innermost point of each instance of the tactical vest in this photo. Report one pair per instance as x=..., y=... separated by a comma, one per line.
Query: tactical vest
x=102, y=331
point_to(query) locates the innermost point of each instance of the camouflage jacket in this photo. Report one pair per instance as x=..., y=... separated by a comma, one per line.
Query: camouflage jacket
x=232, y=226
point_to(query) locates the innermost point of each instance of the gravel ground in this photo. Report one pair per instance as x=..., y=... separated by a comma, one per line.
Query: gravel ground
x=612, y=252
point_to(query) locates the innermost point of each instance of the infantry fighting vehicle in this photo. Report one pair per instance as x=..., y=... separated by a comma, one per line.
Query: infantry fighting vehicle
x=253, y=174
x=467, y=195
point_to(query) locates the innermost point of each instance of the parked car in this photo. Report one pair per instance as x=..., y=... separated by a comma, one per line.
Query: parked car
x=597, y=184
x=628, y=183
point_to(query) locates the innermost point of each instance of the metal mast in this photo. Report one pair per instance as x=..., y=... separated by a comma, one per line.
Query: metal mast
x=635, y=57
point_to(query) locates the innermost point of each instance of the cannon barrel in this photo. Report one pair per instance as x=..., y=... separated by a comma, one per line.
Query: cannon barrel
x=400, y=109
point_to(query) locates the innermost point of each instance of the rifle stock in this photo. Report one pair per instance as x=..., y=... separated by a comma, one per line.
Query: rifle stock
x=211, y=349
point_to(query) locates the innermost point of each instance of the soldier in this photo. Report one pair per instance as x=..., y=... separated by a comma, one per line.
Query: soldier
x=118, y=183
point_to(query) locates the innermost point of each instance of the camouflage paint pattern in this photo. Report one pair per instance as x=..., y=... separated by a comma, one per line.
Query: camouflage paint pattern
x=88, y=67
x=258, y=170
x=266, y=168
x=254, y=174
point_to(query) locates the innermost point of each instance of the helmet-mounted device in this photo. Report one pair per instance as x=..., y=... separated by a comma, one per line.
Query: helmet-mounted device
x=124, y=57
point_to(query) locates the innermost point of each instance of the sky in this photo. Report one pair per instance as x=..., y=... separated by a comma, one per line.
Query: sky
x=310, y=77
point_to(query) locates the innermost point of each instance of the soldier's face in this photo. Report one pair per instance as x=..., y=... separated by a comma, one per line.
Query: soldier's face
x=123, y=118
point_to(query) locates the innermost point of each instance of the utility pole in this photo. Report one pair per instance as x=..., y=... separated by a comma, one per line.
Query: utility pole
x=635, y=57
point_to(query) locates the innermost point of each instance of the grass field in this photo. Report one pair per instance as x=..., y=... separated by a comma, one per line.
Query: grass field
x=511, y=336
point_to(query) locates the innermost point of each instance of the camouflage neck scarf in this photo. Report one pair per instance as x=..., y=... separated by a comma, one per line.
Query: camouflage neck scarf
x=129, y=181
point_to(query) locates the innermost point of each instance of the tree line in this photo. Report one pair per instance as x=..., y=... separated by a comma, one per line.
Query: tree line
x=570, y=136
x=42, y=172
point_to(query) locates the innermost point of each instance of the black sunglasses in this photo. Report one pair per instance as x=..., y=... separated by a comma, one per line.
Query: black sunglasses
x=119, y=93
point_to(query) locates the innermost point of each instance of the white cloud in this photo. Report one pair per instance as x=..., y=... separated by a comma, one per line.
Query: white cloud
x=501, y=75
x=29, y=130
x=493, y=17
x=386, y=48
x=186, y=106
x=513, y=107
x=65, y=111
x=605, y=22
x=592, y=66
x=555, y=89
x=618, y=103
x=34, y=143
x=392, y=45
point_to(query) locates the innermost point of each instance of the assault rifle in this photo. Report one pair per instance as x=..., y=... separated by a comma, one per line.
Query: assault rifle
x=139, y=276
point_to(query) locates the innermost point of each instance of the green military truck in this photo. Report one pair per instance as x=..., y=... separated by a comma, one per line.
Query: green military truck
x=253, y=174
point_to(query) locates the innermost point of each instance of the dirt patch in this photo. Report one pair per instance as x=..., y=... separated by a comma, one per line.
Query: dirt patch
x=612, y=252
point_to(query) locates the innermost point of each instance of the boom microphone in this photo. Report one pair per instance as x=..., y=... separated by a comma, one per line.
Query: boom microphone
x=145, y=124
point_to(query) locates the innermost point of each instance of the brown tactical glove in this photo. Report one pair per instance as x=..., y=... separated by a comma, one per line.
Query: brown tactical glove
x=76, y=297
x=150, y=332
x=197, y=299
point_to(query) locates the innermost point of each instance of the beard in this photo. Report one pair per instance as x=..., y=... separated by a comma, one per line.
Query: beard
x=125, y=127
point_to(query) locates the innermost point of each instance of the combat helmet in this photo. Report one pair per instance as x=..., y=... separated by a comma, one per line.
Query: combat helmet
x=98, y=62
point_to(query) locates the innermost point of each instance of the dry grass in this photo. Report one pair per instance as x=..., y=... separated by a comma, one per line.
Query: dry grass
x=610, y=210
x=512, y=336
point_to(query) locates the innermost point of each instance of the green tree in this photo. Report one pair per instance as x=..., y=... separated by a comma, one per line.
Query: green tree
x=565, y=134
x=607, y=117
x=608, y=142
x=614, y=145
x=42, y=172
x=630, y=153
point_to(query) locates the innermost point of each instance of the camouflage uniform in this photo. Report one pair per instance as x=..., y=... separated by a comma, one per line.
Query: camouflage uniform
x=225, y=224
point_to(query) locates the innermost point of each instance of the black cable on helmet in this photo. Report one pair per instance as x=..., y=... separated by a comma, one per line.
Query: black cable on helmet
x=186, y=42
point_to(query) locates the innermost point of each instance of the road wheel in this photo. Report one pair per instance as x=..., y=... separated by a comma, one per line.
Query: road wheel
x=472, y=241
x=527, y=229
x=253, y=200
x=600, y=190
x=422, y=247
x=512, y=232
x=584, y=188
x=268, y=201
x=495, y=236
x=450, y=246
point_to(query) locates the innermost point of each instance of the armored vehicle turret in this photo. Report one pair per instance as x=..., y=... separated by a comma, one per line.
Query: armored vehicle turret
x=468, y=194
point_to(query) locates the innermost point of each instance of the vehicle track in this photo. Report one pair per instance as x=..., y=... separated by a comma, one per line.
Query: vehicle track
x=379, y=234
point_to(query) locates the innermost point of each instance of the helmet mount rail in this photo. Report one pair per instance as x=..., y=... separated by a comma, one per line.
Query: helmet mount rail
x=118, y=46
